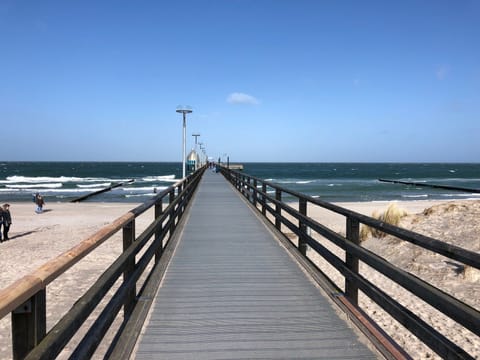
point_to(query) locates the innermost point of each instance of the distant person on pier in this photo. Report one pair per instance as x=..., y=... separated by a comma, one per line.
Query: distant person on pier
x=39, y=202
x=7, y=221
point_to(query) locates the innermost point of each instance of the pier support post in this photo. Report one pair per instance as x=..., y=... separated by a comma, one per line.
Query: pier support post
x=353, y=235
x=29, y=324
x=255, y=193
x=302, y=245
x=128, y=239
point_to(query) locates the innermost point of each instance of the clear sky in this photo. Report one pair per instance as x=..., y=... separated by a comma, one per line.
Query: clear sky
x=268, y=80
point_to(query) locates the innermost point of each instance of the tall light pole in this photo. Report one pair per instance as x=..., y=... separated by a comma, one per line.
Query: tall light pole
x=184, y=110
x=195, y=136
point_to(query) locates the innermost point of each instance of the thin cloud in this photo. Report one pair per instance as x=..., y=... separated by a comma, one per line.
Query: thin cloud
x=442, y=72
x=241, y=98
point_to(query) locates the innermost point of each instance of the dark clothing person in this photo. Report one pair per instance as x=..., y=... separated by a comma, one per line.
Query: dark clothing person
x=39, y=202
x=7, y=221
x=1, y=223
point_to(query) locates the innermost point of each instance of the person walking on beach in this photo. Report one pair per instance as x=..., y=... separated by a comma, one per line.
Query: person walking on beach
x=7, y=221
x=40, y=202
x=1, y=223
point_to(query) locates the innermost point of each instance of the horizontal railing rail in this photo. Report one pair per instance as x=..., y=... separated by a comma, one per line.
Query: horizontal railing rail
x=257, y=192
x=26, y=298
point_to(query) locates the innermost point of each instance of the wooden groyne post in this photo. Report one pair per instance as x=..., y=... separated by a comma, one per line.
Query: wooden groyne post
x=447, y=187
x=84, y=197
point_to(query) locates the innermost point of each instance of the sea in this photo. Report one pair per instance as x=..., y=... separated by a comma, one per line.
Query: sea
x=332, y=182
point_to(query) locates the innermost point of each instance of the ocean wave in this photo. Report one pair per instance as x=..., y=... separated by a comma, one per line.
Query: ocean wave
x=94, y=185
x=8, y=190
x=467, y=195
x=48, y=179
x=35, y=186
x=415, y=196
x=167, y=178
x=49, y=190
x=145, y=188
x=294, y=181
x=140, y=195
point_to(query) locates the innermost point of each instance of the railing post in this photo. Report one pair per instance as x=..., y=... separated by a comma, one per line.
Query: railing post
x=158, y=230
x=353, y=235
x=246, y=189
x=264, y=199
x=29, y=324
x=302, y=245
x=172, y=212
x=128, y=239
x=278, y=209
x=255, y=193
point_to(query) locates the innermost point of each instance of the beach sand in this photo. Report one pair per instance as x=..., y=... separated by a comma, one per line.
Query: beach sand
x=37, y=238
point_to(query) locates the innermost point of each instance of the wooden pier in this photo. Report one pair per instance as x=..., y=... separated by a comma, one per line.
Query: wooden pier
x=233, y=291
x=215, y=276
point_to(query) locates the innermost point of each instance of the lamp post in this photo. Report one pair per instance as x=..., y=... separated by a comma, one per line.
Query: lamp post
x=184, y=110
x=195, y=136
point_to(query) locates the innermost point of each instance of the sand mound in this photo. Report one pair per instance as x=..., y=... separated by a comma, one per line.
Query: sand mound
x=455, y=223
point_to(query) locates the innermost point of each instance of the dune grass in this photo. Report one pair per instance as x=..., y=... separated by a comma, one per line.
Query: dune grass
x=392, y=216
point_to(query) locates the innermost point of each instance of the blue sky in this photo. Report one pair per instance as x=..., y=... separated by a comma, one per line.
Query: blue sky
x=268, y=80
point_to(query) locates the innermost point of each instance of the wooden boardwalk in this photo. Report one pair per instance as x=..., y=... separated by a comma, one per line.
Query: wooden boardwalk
x=232, y=291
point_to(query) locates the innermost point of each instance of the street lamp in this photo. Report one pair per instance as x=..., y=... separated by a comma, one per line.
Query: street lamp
x=195, y=136
x=184, y=110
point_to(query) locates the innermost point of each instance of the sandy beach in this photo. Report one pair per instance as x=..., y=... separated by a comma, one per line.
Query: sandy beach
x=37, y=238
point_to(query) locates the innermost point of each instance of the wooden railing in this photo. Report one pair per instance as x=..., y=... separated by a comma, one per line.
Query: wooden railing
x=26, y=298
x=258, y=193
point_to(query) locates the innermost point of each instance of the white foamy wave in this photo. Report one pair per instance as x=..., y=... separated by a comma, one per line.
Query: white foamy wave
x=48, y=179
x=167, y=178
x=94, y=185
x=415, y=196
x=35, y=186
x=139, y=195
x=304, y=182
x=332, y=185
x=462, y=195
x=45, y=191
x=146, y=188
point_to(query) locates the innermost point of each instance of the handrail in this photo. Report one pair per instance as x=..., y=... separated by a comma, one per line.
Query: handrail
x=25, y=299
x=255, y=191
x=452, y=251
